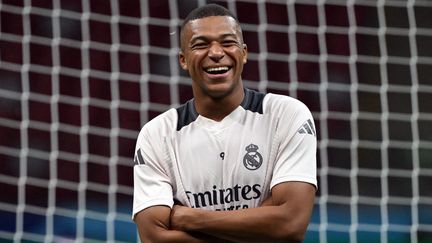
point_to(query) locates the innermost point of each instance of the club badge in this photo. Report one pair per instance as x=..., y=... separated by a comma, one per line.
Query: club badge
x=252, y=159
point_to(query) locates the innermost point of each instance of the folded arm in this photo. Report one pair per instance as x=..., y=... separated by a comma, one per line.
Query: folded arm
x=153, y=226
x=284, y=217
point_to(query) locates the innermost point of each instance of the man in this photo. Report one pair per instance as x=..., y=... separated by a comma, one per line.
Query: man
x=230, y=165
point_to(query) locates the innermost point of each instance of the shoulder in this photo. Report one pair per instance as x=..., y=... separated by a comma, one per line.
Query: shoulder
x=273, y=104
x=253, y=101
x=166, y=119
x=171, y=120
x=291, y=113
x=186, y=114
x=282, y=104
x=160, y=126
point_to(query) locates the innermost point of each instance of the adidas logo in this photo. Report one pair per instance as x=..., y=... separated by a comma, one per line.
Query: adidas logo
x=308, y=128
x=138, y=159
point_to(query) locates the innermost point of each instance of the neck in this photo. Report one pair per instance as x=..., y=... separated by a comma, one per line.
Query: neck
x=218, y=108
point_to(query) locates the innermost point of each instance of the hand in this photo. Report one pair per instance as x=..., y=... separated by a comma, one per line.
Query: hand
x=267, y=202
x=179, y=217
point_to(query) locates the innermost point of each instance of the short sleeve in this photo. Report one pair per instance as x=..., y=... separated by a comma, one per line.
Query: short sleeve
x=296, y=156
x=152, y=185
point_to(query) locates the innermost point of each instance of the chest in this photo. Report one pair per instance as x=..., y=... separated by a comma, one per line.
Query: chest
x=236, y=159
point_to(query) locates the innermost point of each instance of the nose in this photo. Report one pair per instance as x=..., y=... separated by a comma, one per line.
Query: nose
x=216, y=52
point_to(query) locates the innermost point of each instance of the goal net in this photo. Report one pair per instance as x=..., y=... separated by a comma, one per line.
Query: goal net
x=78, y=79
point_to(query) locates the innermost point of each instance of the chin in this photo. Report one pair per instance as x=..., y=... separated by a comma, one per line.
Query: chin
x=219, y=91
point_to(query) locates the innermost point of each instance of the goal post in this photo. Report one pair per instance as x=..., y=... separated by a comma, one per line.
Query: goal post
x=78, y=79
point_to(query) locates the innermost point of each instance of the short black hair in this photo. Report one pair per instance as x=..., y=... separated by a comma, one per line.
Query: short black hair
x=208, y=11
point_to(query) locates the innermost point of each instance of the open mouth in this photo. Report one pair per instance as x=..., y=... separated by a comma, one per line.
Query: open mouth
x=217, y=70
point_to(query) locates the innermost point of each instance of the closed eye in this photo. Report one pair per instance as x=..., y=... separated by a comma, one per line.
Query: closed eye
x=200, y=45
x=229, y=43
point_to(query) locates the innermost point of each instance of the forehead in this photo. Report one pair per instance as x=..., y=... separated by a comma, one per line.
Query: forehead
x=211, y=26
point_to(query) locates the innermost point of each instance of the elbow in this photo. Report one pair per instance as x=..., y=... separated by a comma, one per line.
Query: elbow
x=290, y=233
x=292, y=237
x=295, y=237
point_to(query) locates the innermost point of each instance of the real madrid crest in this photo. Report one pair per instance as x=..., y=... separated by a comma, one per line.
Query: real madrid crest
x=252, y=160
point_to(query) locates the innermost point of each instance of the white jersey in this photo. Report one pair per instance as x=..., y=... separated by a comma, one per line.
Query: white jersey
x=232, y=164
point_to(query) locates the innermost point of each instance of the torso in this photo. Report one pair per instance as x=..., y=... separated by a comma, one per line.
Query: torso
x=224, y=165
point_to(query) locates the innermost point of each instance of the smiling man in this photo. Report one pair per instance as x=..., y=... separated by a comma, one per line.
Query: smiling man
x=213, y=52
x=232, y=164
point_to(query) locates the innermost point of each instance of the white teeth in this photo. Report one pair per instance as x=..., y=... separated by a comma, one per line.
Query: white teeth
x=217, y=69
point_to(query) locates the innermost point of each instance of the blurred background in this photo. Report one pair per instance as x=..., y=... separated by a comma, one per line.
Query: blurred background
x=78, y=79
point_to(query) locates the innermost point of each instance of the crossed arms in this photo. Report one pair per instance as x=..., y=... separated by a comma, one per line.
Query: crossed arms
x=283, y=217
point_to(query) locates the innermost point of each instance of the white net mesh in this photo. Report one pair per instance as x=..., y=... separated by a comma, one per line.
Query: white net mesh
x=79, y=78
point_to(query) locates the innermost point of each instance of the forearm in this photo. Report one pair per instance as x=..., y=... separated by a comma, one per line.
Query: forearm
x=283, y=217
x=153, y=225
x=174, y=236
x=168, y=236
x=250, y=225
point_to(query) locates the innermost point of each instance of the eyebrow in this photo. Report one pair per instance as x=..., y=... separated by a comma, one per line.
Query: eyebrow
x=205, y=38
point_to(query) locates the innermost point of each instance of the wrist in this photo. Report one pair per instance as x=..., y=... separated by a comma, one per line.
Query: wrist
x=193, y=219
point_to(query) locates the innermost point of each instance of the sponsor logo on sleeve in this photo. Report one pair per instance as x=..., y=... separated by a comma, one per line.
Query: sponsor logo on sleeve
x=138, y=159
x=307, y=128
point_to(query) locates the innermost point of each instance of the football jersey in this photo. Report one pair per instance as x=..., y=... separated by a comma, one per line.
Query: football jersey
x=224, y=165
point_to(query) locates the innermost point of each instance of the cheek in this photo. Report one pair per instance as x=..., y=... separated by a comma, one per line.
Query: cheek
x=195, y=61
x=239, y=55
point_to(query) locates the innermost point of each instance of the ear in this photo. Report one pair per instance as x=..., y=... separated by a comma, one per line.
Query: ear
x=245, y=53
x=182, y=61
